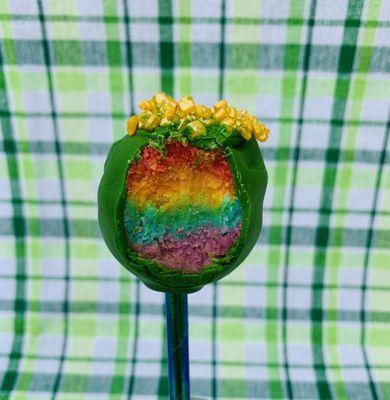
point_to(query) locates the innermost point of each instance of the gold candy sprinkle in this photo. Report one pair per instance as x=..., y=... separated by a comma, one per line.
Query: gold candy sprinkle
x=203, y=111
x=187, y=104
x=246, y=121
x=165, y=121
x=263, y=138
x=220, y=104
x=233, y=112
x=163, y=110
x=132, y=125
x=152, y=122
x=169, y=111
x=197, y=128
x=221, y=114
x=160, y=98
x=246, y=133
x=147, y=105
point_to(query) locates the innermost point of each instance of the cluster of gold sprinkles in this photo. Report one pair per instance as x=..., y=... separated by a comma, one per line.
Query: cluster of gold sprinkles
x=163, y=110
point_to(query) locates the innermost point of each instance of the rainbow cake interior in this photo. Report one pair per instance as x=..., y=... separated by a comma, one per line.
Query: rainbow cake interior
x=181, y=209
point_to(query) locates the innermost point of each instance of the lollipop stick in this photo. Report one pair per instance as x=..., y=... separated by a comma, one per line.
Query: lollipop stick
x=177, y=332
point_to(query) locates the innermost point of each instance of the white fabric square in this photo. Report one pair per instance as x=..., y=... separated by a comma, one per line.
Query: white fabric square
x=299, y=274
x=355, y=375
x=374, y=110
x=349, y=299
x=204, y=33
x=370, y=138
x=151, y=349
x=357, y=221
x=301, y=354
x=23, y=7
x=350, y=275
x=90, y=7
x=40, y=128
x=273, y=34
x=305, y=219
x=93, y=31
x=302, y=375
x=268, y=105
x=108, y=291
x=200, y=350
x=255, y=296
x=49, y=345
x=144, y=33
x=319, y=108
x=315, y=135
x=7, y=288
x=50, y=210
x=331, y=10
x=53, y=289
x=6, y=209
x=99, y=102
x=299, y=298
x=102, y=369
x=142, y=8
x=327, y=35
x=206, y=8
x=275, y=10
x=22, y=30
x=101, y=131
x=147, y=369
x=360, y=199
x=308, y=197
x=48, y=189
x=35, y=101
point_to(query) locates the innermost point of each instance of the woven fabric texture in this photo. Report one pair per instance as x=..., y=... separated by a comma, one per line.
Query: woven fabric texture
x=307, y=315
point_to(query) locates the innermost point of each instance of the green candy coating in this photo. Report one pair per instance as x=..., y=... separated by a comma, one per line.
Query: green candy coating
x=250, y=178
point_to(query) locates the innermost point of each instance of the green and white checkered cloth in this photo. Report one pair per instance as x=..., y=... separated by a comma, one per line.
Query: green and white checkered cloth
x=307, y=316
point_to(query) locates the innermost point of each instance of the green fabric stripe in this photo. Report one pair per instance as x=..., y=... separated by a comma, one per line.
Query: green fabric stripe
x=136, y=312
x=83, y=53
x=346, y=59
x=345, y=175
x=129, y=58
x=252, y=20
x=184, y=78
x=251, y=314
x=289, y=84
x=167, y=61
x=122, y=115
x=163, y=383
x=363, y=314
x=222, y=52
x=214, y=326
x=19, y=231
x=124, y=360
x=230, y=282
x=65, y=218
x=130, y=390
x=302, y=236
x=124, y=331
x=296, y=156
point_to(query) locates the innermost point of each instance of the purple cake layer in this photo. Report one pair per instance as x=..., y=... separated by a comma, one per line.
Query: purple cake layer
x=191, y=253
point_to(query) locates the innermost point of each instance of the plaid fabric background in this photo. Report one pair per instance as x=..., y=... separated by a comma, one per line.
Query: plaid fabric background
x=307, y=316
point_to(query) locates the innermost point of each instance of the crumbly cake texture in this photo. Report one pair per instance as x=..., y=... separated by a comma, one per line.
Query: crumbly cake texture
x=181, y=208
x=179, y=203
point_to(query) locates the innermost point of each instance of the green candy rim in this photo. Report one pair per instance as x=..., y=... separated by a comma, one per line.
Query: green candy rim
x=250, y=178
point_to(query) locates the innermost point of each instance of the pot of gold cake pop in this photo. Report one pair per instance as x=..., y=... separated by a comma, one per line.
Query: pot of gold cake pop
x=181, y=198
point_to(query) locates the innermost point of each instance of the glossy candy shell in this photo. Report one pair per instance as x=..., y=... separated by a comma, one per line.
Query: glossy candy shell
x=250, y=176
